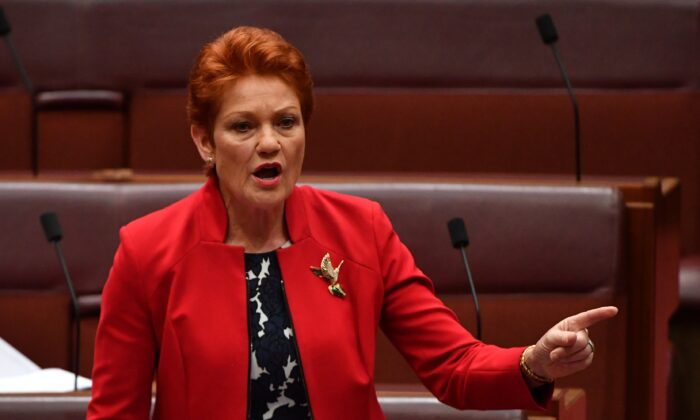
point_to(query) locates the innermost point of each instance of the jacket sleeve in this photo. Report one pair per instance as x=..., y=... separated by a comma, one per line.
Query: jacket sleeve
x=125, y=344
x=458, y=369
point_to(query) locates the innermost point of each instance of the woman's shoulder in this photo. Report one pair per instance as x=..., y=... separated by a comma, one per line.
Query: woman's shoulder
x=322, y=200
x=166, y=232
x=166, y=218
x=341, y=222
x=328, y=210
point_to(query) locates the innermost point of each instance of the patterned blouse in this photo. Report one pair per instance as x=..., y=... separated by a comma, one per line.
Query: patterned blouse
x=277, y=389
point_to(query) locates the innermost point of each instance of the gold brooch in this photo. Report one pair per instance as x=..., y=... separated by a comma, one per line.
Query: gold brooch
x=329, y=273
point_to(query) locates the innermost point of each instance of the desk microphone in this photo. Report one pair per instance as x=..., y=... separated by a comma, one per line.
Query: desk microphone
x=549, y=36
x=458, y=235
x=52, y=230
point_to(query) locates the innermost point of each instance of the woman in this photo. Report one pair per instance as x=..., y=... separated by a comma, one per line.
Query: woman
x=255, y=297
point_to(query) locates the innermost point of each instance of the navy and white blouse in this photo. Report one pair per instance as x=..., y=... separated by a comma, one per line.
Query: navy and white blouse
x=277, y=389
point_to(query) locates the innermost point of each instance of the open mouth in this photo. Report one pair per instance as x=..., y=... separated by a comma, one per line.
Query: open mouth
x=268, y=171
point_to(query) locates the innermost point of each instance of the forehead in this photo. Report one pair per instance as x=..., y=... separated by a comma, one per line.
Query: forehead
x=255, y=92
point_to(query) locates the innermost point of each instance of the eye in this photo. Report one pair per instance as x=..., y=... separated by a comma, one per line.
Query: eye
x=287, y=122
x=242, y=126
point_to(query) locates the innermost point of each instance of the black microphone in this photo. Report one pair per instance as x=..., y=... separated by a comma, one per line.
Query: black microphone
x=52, y=230
x=549, y=36
x=458, y=235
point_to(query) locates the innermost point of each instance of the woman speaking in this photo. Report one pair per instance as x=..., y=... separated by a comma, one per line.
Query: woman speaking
x=256, y=298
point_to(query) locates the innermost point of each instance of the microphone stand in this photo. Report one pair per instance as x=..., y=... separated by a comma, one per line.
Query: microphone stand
x=52, y=230
x=18, y=63
x=473, y=290
x=76, y=314
x=574, y=104
x=460, y=239
x=548, y=33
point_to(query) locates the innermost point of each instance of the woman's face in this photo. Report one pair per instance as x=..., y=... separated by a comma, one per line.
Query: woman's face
x=258, y=142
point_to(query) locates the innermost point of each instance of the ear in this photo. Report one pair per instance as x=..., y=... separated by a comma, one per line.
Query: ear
x=202, y=140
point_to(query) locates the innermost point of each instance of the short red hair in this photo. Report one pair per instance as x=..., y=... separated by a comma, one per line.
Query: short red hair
x=241, y=52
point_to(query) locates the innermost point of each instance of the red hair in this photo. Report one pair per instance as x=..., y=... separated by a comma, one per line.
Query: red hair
x=240, y=52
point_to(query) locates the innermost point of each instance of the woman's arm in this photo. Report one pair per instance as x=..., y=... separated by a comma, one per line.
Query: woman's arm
x=125, y=345
x=458, y=369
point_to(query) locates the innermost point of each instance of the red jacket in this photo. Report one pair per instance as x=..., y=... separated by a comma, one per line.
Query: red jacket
x=175, y=304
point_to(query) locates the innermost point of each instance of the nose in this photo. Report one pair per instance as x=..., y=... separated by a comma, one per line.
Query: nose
x=268, y=143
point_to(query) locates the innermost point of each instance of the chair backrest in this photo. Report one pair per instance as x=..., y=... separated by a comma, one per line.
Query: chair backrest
x=524, y=239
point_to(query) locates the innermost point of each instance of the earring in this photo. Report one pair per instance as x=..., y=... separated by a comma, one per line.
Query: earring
x=210, y=161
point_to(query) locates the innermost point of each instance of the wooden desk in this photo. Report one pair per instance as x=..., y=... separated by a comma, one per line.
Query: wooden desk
x=397, y=404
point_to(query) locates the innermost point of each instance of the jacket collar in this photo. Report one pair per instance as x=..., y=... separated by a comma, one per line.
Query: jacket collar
x=213, y=219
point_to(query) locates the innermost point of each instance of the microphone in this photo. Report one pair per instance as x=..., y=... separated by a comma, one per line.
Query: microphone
x=458, y=235
x=52, y=230
x=549, y=36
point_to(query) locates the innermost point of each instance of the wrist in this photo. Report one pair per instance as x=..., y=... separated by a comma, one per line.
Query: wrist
x=533, y=378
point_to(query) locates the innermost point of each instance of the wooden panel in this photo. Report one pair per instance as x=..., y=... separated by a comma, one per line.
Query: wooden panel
x=640, y=275
x=159, y=132
x=88, y=327
x=16, y=123
x=38, y=325
x=653, y=248
x=80, y=140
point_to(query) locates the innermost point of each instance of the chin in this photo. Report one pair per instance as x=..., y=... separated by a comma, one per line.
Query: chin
x=268, y=198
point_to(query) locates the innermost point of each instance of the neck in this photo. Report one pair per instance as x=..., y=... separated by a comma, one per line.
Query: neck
x=256, y=229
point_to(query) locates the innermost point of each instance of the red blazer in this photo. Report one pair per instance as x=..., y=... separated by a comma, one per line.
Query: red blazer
x=175, y=304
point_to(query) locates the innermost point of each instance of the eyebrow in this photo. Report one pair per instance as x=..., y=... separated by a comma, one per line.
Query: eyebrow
x=288, y=108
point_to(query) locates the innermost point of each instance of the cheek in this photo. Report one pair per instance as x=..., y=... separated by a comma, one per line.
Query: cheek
x=236, y=154
x=298, y=151
x=233, y=163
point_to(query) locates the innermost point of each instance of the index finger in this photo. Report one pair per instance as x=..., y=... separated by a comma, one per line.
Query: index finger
x=591, y=317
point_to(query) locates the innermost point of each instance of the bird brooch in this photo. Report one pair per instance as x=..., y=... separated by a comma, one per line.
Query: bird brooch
x=326, y=271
